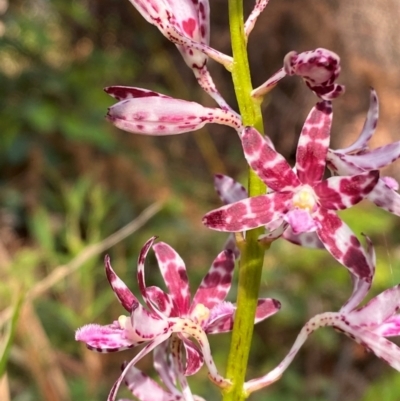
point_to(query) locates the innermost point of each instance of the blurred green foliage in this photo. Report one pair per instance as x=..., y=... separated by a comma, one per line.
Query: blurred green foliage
x=69, y=180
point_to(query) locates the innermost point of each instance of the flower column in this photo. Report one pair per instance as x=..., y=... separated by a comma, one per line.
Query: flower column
x=252, y=254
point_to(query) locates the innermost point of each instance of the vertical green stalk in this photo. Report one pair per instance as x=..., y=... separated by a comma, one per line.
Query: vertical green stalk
x=252, y=254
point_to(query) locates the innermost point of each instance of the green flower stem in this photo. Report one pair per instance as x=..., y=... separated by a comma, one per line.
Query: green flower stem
x=252, y=254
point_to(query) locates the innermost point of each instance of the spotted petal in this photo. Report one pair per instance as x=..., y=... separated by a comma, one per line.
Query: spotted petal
x=161, y=115
x=217, y=282
x=269, y=165
x=369, y=126
x=228, y=189
x=343, y=245
x=122, y=292
x=173, y=270
x=385, y=197
x=313, y=144
x=255, y=13
x=105, y=339
x=338, y=193
x=249, y=213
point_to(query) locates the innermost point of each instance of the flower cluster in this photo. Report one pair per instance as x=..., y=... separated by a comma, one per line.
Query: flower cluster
x=300, y=204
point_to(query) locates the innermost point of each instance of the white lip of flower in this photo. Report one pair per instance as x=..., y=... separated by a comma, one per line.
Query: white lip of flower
x=305, y=199
x=200, y=314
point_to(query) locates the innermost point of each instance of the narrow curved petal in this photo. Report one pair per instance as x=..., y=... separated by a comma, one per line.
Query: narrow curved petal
x=104, y=339
x=369, y=126
x=269, y=165
x=377, y=311
x=173, y=270
x=380, y=346
x=160, y=300
x=338, y=193
x=122, y=292
x=164, y=367
x=228, y=189
x=374, y=159
x=255, y=13
x=148, y=348
x=360, y=286
x=141, y=276
x=313, y=144
x=194, y=358
x=146, y=389
x=343, y=245
x=249, y=213
x=217, y=282
x=385, y=197
x=157, y=115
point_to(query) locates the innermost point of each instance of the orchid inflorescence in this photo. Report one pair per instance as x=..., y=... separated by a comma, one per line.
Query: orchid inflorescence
x=298, y=205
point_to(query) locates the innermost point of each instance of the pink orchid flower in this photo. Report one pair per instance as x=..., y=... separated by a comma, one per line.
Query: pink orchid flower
x=301, y=198
x=231, y=191
x=358, y=158
x=319, y=69
x=142, y=111
x=187, y=24
x=368, y=325
x=171, y=316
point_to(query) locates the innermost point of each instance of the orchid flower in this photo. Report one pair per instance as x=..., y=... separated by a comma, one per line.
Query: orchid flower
x=368, y=325
x=357, y=158
x=231, y=191
x=319, y=69
x=171, y=316
x=143, y=111
x=301, y=198
x=187, y=24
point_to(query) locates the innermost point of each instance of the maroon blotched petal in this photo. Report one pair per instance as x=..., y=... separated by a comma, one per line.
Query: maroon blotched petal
x=343, y=245
x=249, y=213
x=266, y=307
x=105, y=339
x=162, y=301
x=228, y=189
x=217, y=282
x=338, y=193
x=252, y=19
x=269, y=165
x=313, y=144
x=360, y=286
x=173, y=270
x=193, y=357
x=369, y=126
x=122, y=292
x=319, y=68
